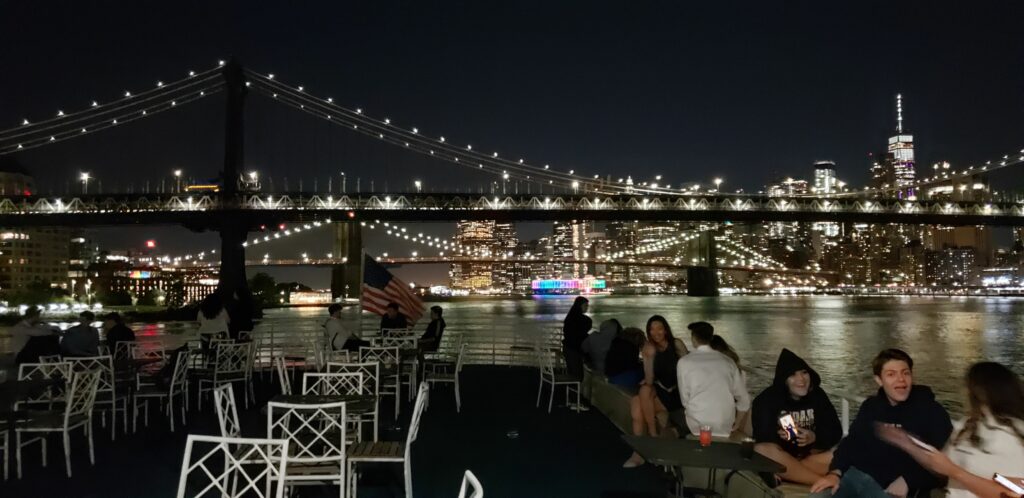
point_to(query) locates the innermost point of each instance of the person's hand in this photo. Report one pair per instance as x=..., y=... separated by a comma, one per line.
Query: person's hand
x=829, y=482
x=805, y=437
x=783, y=435
x=898, y=488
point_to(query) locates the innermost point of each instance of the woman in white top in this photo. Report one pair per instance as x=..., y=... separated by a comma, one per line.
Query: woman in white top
x=989, y=440
x=213, y=318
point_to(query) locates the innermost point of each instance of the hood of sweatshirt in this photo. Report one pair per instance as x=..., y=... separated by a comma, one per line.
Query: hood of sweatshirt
x=788, y=364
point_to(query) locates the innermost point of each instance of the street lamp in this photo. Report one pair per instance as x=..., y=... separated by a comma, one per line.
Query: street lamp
x=343, y=182
x=419, y=186
x=177, y=178
x=718, y=183
x=84, y=177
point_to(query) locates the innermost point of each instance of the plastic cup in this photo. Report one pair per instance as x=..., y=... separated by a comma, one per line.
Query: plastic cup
x=705, y=435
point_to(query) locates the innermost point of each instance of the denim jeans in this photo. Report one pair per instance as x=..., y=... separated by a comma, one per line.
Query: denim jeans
x=855, y=484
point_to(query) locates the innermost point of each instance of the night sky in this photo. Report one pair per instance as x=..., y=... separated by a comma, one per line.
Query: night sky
x=750, y=92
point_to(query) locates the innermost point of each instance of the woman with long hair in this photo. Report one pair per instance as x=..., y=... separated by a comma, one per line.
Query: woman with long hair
x=575, y=328
x=989, y=440
x=719, y=344
x=658, y=393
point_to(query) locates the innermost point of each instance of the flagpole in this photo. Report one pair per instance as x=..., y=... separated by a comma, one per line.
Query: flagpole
x=359, y=308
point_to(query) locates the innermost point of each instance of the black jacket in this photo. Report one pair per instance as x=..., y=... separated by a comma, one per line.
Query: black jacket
x=575, y=329
x=814, y=411
x=432, y=337
x=398, y=322
x=920, y=415
x=622, y=356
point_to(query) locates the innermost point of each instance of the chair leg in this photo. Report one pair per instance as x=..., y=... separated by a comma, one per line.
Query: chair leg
x=67, y=452
x=170, y=411
x=17, y=450
x=135, y=415
x=551, y=398
x=43, y=442
x=458, y=398
x=540, y=387
x=92, y=453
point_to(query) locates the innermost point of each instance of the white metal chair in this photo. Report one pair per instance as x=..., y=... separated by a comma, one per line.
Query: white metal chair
x=111, y=395
x=389, y=384
x=176, y=388
x=42, y=371
x=452, y=377
x=52, y=358
x=371, y=386
x=232, y=364
x=333, y=384
x=472, y=484
x=389, y=452
x=235, y=467
x=77, y=413
x=123, y=350
x=407, y=341
x=282, y=375
x=316, y=441
x=227, y=411
x=549, y=376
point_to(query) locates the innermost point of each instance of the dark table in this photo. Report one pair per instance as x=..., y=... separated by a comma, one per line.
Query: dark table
x=689, y=453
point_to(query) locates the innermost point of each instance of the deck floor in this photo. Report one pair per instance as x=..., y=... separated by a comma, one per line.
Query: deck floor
x=562, y=454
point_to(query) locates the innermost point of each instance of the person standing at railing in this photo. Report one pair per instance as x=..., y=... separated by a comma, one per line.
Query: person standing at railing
x=575, y=328
x=213, y=319
x=796, y=391
x=989, y=440
x=863, y=464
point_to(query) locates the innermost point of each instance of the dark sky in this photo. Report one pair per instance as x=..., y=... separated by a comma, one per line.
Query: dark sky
x=747, y=91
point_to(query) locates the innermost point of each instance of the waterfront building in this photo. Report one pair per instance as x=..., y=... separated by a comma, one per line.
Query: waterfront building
x=953, y=266
x=474, y=239
x=895, y=169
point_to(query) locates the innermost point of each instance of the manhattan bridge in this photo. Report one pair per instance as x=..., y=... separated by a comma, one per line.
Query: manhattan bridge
x=237, y=207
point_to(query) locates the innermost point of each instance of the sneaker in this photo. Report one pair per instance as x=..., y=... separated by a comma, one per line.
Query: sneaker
x=635, y=460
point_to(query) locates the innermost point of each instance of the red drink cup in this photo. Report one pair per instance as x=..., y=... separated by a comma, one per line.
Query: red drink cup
x=705, y=435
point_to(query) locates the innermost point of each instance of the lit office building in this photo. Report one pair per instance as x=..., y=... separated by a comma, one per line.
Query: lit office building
x=825, y=181
x=475, y=239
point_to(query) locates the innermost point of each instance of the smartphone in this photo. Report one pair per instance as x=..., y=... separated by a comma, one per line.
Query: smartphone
x=921, y=444
x=788, y=425
x=1013, y=484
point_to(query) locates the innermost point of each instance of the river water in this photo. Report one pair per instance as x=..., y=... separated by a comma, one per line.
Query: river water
x=837, y=335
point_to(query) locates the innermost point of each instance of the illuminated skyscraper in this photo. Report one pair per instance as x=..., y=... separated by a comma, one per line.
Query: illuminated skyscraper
x=899, y=171
x=825, y=177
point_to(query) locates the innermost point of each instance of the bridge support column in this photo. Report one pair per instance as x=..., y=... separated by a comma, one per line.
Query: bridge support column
x=346, y=278
x=233, y=285
x=703, y=280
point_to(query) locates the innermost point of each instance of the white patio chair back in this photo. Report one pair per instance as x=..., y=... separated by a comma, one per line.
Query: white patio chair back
x=148, y=349
x=52, y=358
x=316, y=439
x=179, y=378
x=282, y=375
x=414, y=432
x=232, y=358
x=227, y=411
x=471, y=484
x=382, y=354
x=82, y=394
x=333, y=384
x=396, y=332
x=338, y=356
x=105, y=364
x=232, y=467
x=43, y=371
x=404, y=341
x=124, y=350
x=370, y=371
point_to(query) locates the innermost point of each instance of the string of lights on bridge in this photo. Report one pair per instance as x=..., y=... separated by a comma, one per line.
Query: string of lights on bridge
x=97, y=116
x=131, y=106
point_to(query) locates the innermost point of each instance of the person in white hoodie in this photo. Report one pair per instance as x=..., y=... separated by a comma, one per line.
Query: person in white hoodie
x=989, y=440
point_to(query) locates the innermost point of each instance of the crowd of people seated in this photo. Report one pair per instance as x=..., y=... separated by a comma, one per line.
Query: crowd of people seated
x=901, y=443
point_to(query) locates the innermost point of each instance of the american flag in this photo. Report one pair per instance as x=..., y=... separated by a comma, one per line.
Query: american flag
x=380, y=287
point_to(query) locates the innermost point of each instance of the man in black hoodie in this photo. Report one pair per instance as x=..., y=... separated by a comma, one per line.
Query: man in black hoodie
x=796, y=391
x=863, y=464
